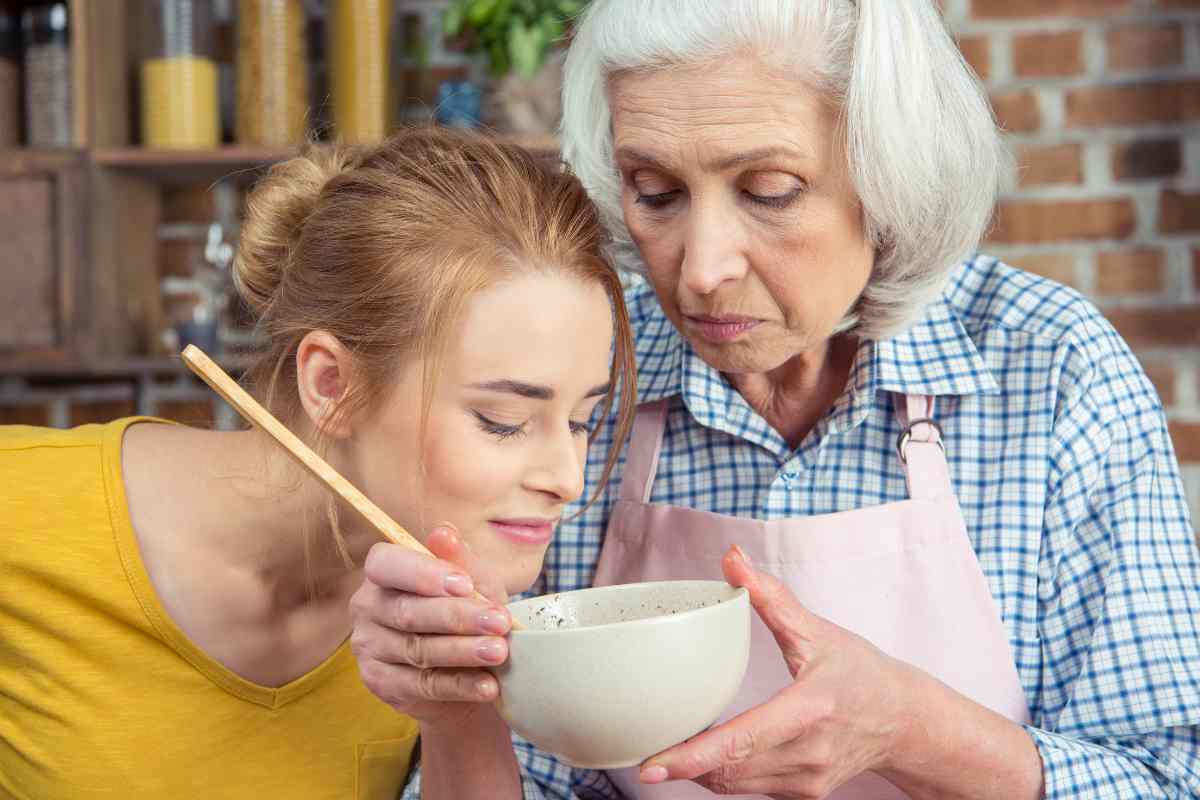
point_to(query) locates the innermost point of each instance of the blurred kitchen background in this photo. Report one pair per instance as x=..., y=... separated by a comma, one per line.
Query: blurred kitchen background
x=131, y=129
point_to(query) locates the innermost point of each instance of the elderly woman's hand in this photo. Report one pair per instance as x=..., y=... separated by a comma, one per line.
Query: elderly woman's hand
x=840, y=717
x=421, y=638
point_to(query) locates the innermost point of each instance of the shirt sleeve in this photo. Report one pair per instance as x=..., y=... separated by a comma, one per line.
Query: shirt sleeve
x=1117, y=711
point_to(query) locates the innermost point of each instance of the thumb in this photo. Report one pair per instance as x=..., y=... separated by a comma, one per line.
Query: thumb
x=789, y=621
x=446, y=543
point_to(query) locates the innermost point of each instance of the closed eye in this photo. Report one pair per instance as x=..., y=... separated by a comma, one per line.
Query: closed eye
x=498, y=429
x=657, y=200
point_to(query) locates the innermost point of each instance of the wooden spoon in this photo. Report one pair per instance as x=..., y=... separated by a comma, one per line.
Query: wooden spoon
x=212, y=374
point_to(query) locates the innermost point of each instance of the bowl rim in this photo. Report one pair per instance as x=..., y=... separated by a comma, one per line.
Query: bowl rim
x=737, y=594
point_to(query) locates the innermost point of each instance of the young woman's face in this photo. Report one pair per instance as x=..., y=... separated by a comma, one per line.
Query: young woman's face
x=507, y=435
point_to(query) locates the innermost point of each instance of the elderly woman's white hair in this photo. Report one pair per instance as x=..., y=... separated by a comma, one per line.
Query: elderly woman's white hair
x=918, y=134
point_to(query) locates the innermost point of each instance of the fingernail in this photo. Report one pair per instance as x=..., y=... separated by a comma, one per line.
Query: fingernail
x=459, y=585
x=494, y=621
x=486, y=689
x=654, y=774
x=741, y=554
x=491, y=652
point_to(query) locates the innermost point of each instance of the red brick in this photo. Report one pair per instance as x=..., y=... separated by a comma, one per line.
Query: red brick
x=101, y=411
x=1186, y=438
x=1147, y=158
x=1178, y=5
x=1164, y=377
x=1177, y=326
x=1131, y=271
x=24, y=415
x=1133, y=104
x=1058, y=267
x=1196, y=269
x=1179, y=212
x=1037, y=221
x=1145, y=47
x=1017, y=112
x=977, y=50
x=1039, y=165
x=1015, y=9
x=1048, y=55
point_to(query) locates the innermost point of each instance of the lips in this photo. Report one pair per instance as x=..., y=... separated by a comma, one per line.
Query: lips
x=525, y=530
x=723, y=328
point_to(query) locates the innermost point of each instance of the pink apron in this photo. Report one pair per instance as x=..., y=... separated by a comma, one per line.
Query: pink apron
x=902, y=575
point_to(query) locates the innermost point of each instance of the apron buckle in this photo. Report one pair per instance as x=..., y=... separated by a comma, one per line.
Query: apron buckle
x=906, y=437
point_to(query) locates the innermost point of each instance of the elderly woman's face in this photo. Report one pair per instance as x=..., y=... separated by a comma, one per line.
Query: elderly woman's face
x=735, y=192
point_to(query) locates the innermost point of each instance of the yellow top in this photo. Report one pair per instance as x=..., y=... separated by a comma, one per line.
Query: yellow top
x=103, y=696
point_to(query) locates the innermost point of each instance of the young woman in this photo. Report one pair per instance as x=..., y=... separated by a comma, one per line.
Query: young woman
x=437, y=318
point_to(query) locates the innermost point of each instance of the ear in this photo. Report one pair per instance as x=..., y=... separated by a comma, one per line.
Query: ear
x=324, y=370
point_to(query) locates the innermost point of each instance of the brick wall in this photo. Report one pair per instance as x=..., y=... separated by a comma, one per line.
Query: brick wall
x=1101, y=103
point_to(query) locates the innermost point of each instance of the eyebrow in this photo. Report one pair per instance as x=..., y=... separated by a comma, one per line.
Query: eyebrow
x=727, y=163
x=533, y=391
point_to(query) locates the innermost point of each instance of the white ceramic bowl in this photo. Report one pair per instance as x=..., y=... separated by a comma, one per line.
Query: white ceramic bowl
x=605, y=678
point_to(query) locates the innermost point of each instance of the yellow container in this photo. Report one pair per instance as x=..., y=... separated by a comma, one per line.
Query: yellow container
x=360, y=61
x=272, y=72
x=179, y=103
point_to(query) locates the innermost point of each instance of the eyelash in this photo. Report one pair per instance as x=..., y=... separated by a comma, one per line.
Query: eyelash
x=664, y=199
x=502, y=431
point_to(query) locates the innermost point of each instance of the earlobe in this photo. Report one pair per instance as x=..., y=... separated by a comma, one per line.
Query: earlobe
x=323, y=370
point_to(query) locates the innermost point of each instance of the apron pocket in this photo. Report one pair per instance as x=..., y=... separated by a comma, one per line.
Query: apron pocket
x=383, y=767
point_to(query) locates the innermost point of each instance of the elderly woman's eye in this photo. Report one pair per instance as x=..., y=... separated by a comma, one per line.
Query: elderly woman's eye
x=775, y=200
x=657, y=200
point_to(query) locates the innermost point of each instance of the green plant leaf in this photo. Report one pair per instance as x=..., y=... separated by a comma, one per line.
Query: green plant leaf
x=481, y=11
x=524, y=48
x=452, y=22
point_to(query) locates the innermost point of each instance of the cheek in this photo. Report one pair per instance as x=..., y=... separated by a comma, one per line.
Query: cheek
x=465, y=472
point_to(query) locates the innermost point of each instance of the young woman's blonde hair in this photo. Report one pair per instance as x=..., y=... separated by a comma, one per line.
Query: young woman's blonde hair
x=382, y=246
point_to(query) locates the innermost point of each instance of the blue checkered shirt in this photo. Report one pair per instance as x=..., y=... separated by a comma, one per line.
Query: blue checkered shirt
x=1060, y=458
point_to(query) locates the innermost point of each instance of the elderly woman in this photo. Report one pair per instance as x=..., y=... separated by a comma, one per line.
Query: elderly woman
x=951, y=487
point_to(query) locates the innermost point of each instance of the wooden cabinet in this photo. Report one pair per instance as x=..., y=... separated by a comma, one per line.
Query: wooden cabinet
x=43, y=256
x=79, y=249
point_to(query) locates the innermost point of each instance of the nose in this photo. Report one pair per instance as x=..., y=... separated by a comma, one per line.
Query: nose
x=712, y=253
x=558, y=470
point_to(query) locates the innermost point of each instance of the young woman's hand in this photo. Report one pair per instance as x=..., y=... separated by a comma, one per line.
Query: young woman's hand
x=421, y=638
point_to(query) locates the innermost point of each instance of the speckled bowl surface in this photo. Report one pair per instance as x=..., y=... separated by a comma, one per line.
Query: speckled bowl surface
x=605, y=678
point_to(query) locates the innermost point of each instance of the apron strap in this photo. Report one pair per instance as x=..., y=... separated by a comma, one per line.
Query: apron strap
x=921, y=449
x=645, y=444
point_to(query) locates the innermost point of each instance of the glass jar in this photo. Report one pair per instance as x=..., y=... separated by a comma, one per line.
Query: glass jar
x=47, y=75
x=180, y=107
x=272, y=72
x=10, y=82
x=360, y=58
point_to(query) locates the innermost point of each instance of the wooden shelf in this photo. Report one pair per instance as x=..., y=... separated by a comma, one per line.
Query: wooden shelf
x=119, y=369
x=191, y=166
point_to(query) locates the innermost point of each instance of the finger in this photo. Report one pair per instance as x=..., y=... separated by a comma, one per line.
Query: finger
x=788, y=620
x=393, y=566
x=373, y=642
x=445, y=542
x=751, y=733
x=405, y=687
x=448, y=616
x=765, y=786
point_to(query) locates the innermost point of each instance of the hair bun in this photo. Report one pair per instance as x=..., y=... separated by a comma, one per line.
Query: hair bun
x=276, y=211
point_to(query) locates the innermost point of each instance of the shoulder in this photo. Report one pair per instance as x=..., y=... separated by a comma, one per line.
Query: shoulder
x=1026, y=321
x=987, y=294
